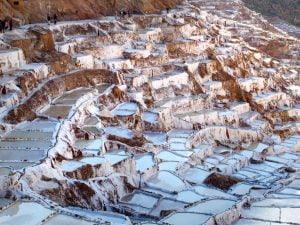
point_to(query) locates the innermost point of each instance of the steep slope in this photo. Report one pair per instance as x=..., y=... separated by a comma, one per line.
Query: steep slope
x=288, y=10
x=284, y=14
x=36, y=10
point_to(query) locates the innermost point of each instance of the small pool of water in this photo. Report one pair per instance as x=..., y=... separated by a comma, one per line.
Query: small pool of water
x=141, y=199
x=58, y=111
x=165, y=180
x=125, y=109
x=95, y=144
x=212, y=207
x=150, y=117
x=25, y=213
x=169, y=156
x=144, y=162
x=184, y=218
x=157, y=138
x=66, y=220
x=119, y=131
x=5, y=171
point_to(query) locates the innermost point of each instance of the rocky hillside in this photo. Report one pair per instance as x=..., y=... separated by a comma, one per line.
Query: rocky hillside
x=288, y=10
x=36, y=10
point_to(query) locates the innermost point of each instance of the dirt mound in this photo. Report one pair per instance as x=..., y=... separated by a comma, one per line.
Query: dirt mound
x=221, y=181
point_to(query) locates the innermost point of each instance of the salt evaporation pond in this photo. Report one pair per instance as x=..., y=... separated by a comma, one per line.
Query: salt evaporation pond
x=201, y=190
x=39, y=125
x=4, y=202
x=183, y=153
x=170, y=166
x=146, y=223
x=157, y=138
x=242, y=189
x=263, y=213
x=177, y=139
x=212, y=207
x=196, y=175
x=178, y=146
x=25, y=213
x=119, y=131
x=93, y=129
x=21, y=155
x=252, y=222
x=189, y=196
x=141, y=199
x=144, y=162
x=115, y=159
x=169, y=156
x=32, y=135
x=150, y=117
x=66, y=220
x=279, y=203
x=184, y=218
x=91, y=121
x=125, y=109
x=70, y=98
x=4, y=171
x=165, y=180
x=71, y=165
x=16, y=165
x=92, y=160
x=165, y=205
x=290, y=191
x=95, y=144
x=58, y=111
x=25, y=144
x=113, y=218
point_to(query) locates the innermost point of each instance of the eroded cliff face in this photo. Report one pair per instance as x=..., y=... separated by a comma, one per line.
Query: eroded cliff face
x=36, y=10
x=187, y=116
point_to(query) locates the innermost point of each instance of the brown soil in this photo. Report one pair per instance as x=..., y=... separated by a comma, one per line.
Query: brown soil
x=76, y=194
x=221, y=181
x=36, y=10
x=134, y=142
